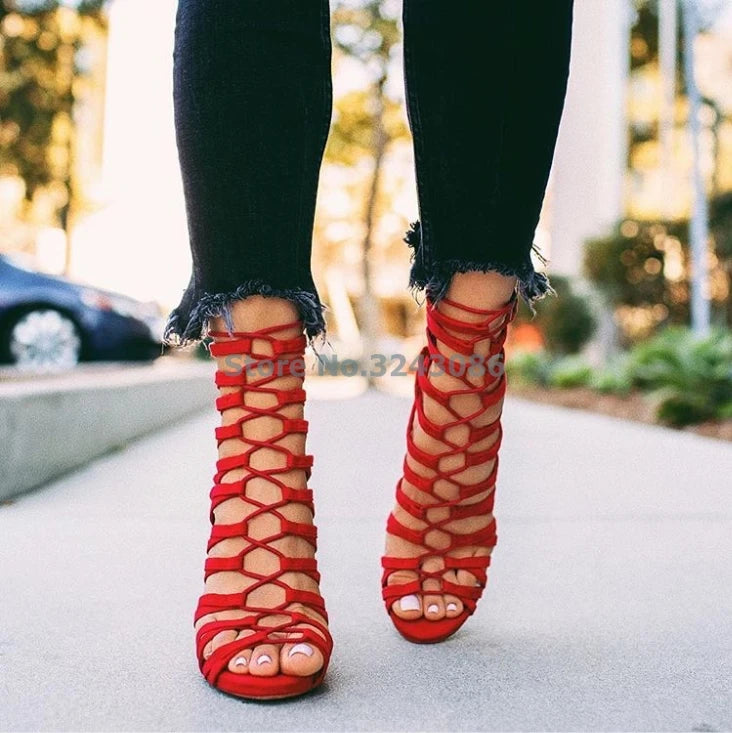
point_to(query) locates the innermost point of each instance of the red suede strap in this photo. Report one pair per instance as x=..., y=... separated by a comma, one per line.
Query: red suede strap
x=426, y=470
x=252, y=362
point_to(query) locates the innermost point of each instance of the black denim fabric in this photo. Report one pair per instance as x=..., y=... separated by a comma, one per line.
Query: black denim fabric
x=485, y=88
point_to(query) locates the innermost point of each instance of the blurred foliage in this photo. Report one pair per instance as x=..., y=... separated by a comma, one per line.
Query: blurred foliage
x=565, y=320
x=689, y=378
x=720, y=223
x=644, y=35
x=644, y=30
x=628, y=265
x=367, y=30
x=529, y=367
x=569, y=371
x=646, y=265
x=644, y=56
x=545, y=369
x=365, y=121
x=39, y=42
x=352, y=134
x=614, y=378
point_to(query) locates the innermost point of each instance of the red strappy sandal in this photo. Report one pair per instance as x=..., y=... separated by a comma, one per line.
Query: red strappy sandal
x=460, y=337
x=255, y=378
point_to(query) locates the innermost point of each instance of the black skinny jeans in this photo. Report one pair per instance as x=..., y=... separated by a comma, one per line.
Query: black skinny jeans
x=485, y=82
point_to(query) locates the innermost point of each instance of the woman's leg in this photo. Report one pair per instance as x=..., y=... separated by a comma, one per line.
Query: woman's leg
x=485, y=91
x=253, y=105
x=252, y=94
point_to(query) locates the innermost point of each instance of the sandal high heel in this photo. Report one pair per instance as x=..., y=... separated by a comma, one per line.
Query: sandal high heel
x=254, y=378
x=460, y=337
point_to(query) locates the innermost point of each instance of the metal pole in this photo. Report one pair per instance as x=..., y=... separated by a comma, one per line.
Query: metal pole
x=699, y=227
x=667, y=34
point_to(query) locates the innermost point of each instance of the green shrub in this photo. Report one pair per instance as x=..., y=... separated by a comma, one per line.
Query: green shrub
x=724, y=411
x=528, y=367
x=614, y=379
x=629, y=266
x=565, y=320
x=678, y=410
x=691, y=377
x=570, y=371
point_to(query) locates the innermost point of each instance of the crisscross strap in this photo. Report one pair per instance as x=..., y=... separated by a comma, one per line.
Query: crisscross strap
x=450, y=337
x=254, y=361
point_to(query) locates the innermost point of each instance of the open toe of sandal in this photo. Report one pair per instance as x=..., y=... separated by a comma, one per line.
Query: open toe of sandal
x=424, y=631
x=279, y=686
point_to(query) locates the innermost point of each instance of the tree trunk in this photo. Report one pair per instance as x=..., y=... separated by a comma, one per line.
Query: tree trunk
x=369, y=305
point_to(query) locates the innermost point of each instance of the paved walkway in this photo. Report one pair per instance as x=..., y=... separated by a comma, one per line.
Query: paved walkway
x=609, y=604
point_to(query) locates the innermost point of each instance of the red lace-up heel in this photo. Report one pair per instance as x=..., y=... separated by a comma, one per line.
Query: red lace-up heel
x=259, y=371
x=460, y=338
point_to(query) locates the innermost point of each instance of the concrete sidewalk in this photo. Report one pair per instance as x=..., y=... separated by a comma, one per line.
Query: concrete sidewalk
x=608, y=607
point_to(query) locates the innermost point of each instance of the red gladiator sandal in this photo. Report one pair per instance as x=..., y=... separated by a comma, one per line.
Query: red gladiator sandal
x=460, y=337
x=254, y=378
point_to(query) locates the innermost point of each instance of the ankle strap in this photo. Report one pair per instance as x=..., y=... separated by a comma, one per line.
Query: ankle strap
x=260, y=332
x=493, y=326
x=244, y=344
x=510, y=304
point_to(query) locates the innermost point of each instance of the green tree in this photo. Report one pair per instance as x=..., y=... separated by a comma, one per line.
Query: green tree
x=644, y=46
x=366, y=121
x=38, y=49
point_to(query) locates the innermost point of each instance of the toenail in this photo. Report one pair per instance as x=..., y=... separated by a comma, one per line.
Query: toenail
x=452, y=606
x=432, y=608
x=305, y=649
x=240, y=662
x=264, y=659
x=409, y=603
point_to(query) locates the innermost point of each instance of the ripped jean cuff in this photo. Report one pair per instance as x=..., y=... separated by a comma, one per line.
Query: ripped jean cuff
x=190, y=321
x=433, y=277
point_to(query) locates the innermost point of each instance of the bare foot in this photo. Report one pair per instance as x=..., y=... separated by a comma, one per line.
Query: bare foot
x=263, y=541
x=486, y=292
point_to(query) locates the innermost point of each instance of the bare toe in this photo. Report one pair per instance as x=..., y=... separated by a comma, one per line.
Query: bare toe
x=466, y=578
x=239, y=664
x=453, y=606
x=408, y=607
x=434, y=607
x=223, y=637
x=265, y=661
x=300, y=659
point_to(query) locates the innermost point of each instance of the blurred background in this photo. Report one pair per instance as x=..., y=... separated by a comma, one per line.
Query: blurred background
x=637, y=220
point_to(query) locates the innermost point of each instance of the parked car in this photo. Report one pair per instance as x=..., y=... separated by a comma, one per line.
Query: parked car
x=49, y=322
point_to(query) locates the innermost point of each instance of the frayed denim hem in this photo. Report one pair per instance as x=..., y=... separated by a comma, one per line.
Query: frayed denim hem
x=190, y=321
x=434, y=278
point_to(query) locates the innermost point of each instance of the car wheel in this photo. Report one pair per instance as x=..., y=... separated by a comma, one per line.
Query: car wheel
x=44, y=340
